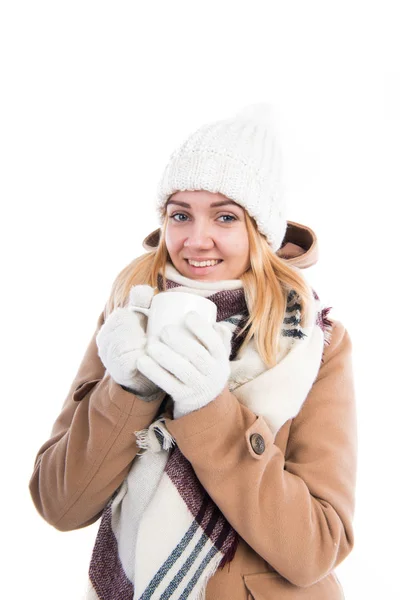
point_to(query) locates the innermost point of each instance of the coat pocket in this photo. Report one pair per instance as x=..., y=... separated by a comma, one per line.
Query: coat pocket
x=271, y=586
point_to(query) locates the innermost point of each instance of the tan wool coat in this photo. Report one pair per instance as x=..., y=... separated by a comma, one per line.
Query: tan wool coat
x=292, y=505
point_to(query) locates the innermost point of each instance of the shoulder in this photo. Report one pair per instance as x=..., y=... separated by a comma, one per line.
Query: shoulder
x=339, y=339
x=337, y=353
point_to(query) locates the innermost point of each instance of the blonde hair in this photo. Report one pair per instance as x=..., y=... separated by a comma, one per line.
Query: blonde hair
x=266, y=284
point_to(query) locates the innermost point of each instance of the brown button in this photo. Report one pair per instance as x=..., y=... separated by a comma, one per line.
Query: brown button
x=257, y=443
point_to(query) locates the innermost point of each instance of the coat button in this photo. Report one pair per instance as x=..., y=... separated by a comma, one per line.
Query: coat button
x=257, y=443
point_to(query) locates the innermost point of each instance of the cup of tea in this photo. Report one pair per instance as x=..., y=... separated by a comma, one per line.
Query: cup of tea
x=170, y=308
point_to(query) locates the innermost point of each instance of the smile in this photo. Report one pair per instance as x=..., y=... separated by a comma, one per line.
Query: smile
x=202, y=264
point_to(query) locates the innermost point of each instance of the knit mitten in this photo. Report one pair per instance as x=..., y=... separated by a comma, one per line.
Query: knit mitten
x=122, y=339
x=190, y=363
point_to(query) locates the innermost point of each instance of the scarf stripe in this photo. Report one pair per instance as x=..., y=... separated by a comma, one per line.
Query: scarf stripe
x=217, y=531
x=182, y=475
x=205, y=562
x=192, y=557
x=105, y=570
x=177, y=552
x=224, y=535
x=295, y=306
x=228, y=302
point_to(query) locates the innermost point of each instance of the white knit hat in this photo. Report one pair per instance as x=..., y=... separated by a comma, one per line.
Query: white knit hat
x=239, y=157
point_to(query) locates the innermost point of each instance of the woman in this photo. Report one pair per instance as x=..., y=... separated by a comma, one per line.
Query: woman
x=221, y=458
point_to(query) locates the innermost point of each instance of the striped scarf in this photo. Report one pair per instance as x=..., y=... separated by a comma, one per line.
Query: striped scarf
x=161, y=536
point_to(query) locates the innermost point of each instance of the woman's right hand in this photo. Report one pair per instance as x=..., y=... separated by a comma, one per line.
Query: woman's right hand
x=122, y=339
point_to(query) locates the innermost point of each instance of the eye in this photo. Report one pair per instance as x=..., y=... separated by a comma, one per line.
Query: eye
x=178, y=215
x=229, y=217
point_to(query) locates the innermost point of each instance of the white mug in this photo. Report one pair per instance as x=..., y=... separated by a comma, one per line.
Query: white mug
x=170, y=308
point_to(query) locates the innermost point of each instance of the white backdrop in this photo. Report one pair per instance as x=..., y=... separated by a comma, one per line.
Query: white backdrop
x=95, y=96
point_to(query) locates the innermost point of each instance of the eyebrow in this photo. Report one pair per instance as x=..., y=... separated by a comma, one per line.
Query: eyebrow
x=186, y=205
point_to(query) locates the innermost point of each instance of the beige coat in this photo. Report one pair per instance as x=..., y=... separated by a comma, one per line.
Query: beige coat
x=292, y=505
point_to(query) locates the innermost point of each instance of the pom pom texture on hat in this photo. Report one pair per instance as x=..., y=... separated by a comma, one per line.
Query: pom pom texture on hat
x=239, y=157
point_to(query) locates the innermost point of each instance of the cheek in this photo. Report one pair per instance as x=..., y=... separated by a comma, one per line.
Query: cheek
x=171, y=240
x=237, y=244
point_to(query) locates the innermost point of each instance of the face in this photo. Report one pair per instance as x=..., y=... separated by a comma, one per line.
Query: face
x=204, y=226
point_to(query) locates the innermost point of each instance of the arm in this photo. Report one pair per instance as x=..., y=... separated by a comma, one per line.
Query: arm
x=91, y=447
x=295, y=510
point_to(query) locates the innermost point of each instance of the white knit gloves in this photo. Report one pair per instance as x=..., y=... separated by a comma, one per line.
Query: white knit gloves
x=122, y=339
x=190, y=363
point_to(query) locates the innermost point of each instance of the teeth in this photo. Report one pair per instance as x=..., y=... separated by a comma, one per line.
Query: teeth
x=205, y=263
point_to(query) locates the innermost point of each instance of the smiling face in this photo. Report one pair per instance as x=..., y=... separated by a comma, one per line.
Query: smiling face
x=204, y=226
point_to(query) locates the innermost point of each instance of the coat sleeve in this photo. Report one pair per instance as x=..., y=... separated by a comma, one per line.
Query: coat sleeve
x=91, y=446
x=294, y=509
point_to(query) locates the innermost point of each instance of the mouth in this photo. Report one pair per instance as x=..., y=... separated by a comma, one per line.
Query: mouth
x=204, y=266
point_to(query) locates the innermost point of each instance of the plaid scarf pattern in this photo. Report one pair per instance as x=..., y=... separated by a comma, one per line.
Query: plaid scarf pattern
x=161, y=536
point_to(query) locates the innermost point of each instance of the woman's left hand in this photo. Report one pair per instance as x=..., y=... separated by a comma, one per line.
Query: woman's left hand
x=190, y=363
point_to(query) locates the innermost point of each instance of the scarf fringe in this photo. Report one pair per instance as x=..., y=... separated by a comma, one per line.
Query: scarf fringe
x=326, y=324
x=323, y=321
x=155, y=438
x=202, y=591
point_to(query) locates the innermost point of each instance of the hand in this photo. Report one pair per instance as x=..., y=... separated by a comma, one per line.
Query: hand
x=190, y=363
x=122, y=339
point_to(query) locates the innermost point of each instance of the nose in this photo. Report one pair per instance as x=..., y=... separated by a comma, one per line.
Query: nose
x=199, y=238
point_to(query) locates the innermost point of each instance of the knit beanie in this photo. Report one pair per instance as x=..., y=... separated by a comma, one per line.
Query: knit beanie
x=239, y=157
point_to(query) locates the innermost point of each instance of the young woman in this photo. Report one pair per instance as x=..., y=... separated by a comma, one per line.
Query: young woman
x=221, y=458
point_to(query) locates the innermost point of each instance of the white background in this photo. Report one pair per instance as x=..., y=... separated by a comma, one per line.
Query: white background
x=94, y=98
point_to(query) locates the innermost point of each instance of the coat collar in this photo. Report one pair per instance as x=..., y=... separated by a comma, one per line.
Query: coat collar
x=299, y=247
